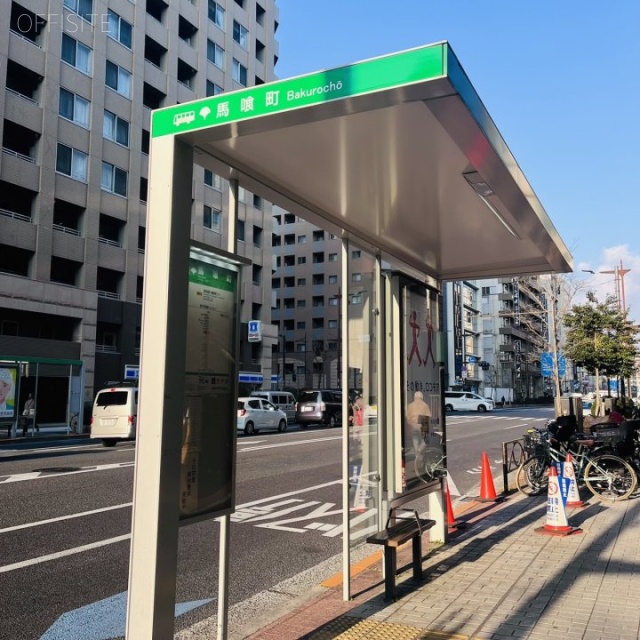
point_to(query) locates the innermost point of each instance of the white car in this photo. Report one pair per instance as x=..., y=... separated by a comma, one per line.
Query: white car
x=256, y=414
x=466, y=401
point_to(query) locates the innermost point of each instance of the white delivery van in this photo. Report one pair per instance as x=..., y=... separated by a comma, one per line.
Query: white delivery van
x=466, y=401
x=281, y=399
x=114, y=415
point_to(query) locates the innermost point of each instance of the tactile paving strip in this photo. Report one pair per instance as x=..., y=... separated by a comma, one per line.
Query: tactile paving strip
x=351, y=628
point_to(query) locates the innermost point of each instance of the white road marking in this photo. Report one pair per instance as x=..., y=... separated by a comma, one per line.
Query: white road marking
x=38, y=475
x=287, y=444
x=39, y=523
x=63, y=554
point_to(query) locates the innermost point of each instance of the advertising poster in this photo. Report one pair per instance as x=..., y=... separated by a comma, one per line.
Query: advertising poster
x=8, y=377
x=209, y=418
x=422, y=437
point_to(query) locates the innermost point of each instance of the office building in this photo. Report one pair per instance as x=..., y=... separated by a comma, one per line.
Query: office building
x=79, y=79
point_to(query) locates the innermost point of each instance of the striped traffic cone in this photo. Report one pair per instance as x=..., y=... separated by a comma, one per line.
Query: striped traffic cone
x=556, y=524
x=569, y=472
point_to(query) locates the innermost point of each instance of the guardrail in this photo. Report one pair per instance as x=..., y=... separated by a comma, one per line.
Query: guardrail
x=513, y=455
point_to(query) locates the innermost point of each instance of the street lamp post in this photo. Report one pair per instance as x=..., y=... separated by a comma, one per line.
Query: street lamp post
x=618, y=274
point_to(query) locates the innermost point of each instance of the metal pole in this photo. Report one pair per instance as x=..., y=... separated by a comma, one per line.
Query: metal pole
x=284, y=346
x=225, y=521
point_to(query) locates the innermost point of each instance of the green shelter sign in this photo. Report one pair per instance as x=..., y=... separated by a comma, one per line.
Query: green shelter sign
x=408, y=67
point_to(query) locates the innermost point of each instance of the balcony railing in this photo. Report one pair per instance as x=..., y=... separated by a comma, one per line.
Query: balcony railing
x=111, y=243
x=11, y=152
x=63, y=229
x=22, y=96
x=29, y=40
x=14, y=215
x=109, y=294
x=106, y=348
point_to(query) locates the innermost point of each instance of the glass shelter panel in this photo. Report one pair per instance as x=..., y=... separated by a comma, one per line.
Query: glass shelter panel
x=364, y=384
x=423, y=441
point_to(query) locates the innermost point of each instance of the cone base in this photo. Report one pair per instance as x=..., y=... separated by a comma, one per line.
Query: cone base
x=496, y=499
x=458, y=524
x=576, y=505
x=549, y=530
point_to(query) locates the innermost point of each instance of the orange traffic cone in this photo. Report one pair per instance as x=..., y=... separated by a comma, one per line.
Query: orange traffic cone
x=487, y=489
x=569, y=472
x=451, y=521
x=556, y=524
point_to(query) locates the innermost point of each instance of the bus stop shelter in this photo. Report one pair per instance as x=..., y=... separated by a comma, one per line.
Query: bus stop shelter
x=395, y=155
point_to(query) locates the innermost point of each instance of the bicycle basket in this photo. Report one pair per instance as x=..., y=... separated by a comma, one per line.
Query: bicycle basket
x=533, y=444
x=609, y=434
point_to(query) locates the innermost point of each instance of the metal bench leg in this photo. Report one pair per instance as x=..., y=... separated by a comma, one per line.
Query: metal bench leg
x=416, y=544
x=390, y=573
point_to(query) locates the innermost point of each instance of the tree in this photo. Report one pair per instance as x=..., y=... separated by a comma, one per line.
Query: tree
x=601, y=339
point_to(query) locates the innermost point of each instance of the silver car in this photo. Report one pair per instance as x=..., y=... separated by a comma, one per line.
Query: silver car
x=256, y=414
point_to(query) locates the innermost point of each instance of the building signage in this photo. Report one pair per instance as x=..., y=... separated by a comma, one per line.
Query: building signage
x=255, y=331
x=408, y=67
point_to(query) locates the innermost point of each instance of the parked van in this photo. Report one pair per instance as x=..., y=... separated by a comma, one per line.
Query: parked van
x=319, y=406
x=466, y=401
x=114, y=415
x=281, y=399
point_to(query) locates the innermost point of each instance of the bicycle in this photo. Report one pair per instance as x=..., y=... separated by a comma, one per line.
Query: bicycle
x=429, y=462
x=606, y=475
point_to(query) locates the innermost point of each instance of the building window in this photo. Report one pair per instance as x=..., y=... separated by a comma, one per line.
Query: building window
x=318, y=301
x=212, y=180
x=71, y=162
x=240, y=35
x=115, y=128
x=486, y=291
x=302, y=260
x=240, y=229
x=302, y=282
x=333, y=302
x=239, y=73
x=114, y=179
x=211, y=218
x=74, y=108
x=318, y=236
x=216, y=14
x=76, y=54
x=302, y=239
x=256, y=274
x=118, y=29
x=83, y=8
x=213, y=89
x=356, y=253
x=356, y=277
x=333, y=279
x=332, y=324
x=257, y=236
x=145, y=142
x=215, y=54
x=301, y=304
x=333, y=257
x=118, y=79
x=301, y=324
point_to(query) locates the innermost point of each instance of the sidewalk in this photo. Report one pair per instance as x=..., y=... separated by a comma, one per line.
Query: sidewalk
x=496, y=579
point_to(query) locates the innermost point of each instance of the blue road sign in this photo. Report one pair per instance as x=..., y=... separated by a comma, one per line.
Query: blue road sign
x=546, y=364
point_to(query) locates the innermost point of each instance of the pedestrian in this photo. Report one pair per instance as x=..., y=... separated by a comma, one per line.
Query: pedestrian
x=503, y=401
x=29, y=413
x=418, y=415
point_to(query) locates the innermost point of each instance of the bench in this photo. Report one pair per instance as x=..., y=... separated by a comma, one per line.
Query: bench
x=398, y=530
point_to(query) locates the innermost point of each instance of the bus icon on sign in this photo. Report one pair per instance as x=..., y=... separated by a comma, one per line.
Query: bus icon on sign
x=255, y=331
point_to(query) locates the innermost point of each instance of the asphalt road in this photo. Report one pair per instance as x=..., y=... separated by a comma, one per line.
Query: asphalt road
x=65, y=518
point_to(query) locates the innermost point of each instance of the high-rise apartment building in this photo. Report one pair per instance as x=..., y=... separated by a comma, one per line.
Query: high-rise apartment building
x=78, y=81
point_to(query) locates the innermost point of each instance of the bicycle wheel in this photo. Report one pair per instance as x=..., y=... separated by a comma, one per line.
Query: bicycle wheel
x=610, y=478
x=532, y=477
x=429, y=464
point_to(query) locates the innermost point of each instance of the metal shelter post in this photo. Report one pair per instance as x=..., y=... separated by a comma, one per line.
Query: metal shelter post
x=225, y=521
x=344, y=345
x=154, y=539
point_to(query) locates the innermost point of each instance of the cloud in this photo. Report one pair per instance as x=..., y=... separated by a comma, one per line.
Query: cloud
x=623, y=281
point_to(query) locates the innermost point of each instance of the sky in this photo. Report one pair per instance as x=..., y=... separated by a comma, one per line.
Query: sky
x=561, y=81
